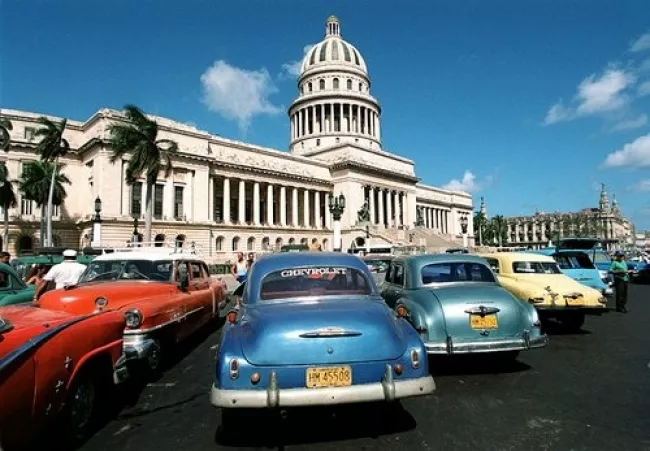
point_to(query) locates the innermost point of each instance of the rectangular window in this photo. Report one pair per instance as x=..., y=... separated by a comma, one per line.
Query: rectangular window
x=217, y=205
x=30, y=132
x=136, y=199
x=178, y=202
x=26, y=206
x=56, y=210
x=159, y=190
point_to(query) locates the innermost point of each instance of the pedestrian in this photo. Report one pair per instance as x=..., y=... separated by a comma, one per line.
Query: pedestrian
x=62, y=275
x=251, y=259
x=621, y=279
x=239, y=271
x=36, y=274
x=4, y=257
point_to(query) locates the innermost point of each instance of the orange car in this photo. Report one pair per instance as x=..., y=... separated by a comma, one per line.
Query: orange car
x=55, y=366
x=165, y=295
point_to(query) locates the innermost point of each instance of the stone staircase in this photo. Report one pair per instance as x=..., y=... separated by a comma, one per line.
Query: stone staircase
x=433, y=241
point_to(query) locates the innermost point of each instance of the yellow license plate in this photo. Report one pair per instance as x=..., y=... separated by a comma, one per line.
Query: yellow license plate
x=483, y=322
x=339, y=376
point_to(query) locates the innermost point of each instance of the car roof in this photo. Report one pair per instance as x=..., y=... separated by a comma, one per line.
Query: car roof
x=519, y=256
x=149, y=253
x=440, y=258
x=283, y=260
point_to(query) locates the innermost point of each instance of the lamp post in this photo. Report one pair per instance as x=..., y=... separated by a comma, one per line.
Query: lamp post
x=367, y=239
x=463, y=225
x=97, y=224
x=136, y=236
x=337, y=206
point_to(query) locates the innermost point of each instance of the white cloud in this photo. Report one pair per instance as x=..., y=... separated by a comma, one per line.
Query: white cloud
x=238, y=94
x=292, y=68
x=468, y=183
x=641, y=44
x=641, y=186
x=595, y=95
x=634, y=154
x=630, y=124
x=644, y=89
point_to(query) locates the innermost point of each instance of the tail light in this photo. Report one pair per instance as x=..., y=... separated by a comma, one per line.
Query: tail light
x=415, y=358
x=255, y=378
x=401, y=311
x=234, y=369
x=602, y=300
x=232, y=316
x=399, y=369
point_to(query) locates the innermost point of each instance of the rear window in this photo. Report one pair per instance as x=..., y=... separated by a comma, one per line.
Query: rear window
x=456, y=272
x=536, y=268
x=314, y=282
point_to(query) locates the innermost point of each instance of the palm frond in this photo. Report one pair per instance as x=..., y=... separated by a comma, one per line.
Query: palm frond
x=6, y=123
x=53, y=145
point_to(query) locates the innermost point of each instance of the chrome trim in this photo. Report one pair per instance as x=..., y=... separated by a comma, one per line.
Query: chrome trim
x=160, y=326
x=516, y=344
x=137, y=346
x=482, y=310
x=386, y=390
x=33, y=342
x=573, y=295
x=330, y=332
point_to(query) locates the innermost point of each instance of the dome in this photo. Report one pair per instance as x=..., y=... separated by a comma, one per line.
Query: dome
x=333, y=51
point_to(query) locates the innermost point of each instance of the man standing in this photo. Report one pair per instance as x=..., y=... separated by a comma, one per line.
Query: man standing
x=239, y=271
x=63, y=274
x=621, y=279
x=4, y=257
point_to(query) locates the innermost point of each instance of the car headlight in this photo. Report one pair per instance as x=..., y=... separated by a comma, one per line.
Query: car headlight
x=133, y=318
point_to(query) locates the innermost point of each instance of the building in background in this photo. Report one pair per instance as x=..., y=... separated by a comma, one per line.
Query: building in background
x=226, y=195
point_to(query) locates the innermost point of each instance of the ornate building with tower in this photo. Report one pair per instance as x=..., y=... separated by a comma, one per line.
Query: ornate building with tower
x=226, y=195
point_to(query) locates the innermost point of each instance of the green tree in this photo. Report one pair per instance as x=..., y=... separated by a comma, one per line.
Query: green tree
x=35, y=183
x=499, y=230
x=51, y=147
x=149, y=155
x=7, y=200
x=480, y=221
x=5, y=137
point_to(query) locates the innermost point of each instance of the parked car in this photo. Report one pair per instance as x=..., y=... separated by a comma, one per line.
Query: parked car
x=48, y=257
x=593, y=247
x=12, y=288
x=577, y=265
x=166, y=295
x=56, y=370
x=312, y=330
x=538, y=280
x=456, y=305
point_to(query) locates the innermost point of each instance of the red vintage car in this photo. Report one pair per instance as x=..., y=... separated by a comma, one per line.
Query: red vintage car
x=56, y=369
x=166, y=294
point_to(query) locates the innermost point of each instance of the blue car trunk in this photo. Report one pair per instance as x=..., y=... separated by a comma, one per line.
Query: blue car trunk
x=495, y=314
x=321, y=332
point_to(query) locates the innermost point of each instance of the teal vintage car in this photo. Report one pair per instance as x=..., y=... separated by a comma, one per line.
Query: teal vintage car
x=457, y=306
x=48, y=257
x=12, y=288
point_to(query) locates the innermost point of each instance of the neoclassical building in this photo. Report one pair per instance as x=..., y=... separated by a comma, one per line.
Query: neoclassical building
x=605, y=222
x=226, y=195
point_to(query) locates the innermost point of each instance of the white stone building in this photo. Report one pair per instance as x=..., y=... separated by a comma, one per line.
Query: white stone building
x=227, y=195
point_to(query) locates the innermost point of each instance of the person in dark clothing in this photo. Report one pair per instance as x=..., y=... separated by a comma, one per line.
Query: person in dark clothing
x=621, y=279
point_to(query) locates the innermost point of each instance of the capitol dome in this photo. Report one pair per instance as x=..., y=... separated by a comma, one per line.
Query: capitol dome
x=334, y=105
x=333, y=50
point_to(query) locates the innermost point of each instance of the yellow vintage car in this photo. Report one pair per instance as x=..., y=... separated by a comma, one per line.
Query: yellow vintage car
x=537, y=279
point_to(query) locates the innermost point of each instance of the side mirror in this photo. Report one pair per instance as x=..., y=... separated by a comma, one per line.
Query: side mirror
x=184, y=281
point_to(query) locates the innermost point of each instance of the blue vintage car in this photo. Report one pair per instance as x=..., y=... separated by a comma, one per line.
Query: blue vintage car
x=456, y=304
x=312, y=329
x=578, y=265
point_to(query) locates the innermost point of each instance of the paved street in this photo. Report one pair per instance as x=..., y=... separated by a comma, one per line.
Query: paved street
x=585, y=391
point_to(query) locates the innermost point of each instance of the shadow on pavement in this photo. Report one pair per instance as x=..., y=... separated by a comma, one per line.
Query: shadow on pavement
x=552, y=327
x=303, y=426
x=454, y=365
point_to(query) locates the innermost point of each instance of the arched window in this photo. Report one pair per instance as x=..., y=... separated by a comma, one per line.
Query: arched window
x=304, y=241
x=235, y=243
x=326, y=244
x=292, y=240
x=159, y=240
x=360, y=87
x=219, y=243
x=251, y=244
x=321, y=85
x=349, y=83
x=278, y=243
x=265, y=243
x=335, y=83
x=309, y=87
x=25, y=244
x=180, y=240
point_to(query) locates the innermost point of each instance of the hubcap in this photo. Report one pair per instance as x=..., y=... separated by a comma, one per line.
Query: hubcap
x=83, y=401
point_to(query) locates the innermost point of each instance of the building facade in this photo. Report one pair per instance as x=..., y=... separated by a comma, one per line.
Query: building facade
x=605, y=222
x=225, y=195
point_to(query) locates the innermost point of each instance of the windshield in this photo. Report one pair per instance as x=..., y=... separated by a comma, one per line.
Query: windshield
x=536, y=268
x=456, y=272
x=377, y=264
x=107, y=270
x=600, y=257
x=314, y=282
x=574, y=261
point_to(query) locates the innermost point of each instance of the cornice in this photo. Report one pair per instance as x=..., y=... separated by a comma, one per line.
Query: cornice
x=373, y=170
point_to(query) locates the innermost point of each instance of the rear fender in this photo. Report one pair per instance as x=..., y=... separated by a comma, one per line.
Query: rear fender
x=431, y=318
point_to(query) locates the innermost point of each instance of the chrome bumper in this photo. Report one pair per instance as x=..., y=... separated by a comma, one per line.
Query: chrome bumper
x=137, y=346
x=386, y=390
x=609, y=291
x=121, y=372
x=516, y=344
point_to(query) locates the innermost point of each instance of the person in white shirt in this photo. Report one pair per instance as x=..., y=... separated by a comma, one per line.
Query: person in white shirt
x=63, y=274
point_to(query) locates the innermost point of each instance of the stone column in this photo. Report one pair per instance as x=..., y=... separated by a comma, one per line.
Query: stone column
x=256, y=203
x=328, y=215
x=305, y=211
x=283, y=206
x=294, y=207
x=242, y=202
x=269, y=205
x=380, y=202
x=389, y=209
x=371, y=205
x=318, y=222
x=226, y=201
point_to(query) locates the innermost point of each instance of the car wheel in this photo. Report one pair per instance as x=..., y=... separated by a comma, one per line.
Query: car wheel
x=573, y=321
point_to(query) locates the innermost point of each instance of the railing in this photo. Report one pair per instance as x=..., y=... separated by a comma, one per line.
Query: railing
x=167, y=247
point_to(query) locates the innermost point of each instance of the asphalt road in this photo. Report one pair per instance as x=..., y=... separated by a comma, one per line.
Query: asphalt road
x=585, y=391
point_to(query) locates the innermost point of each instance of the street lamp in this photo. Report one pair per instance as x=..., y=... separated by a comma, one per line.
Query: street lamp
x=463, y=225
x=367, y=239
x=136, y=236
x=97, y=224
x=337, y=206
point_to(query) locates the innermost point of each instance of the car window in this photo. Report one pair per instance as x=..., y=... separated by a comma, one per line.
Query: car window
x=206, y=270
x=181, y=270
x=456, y=272
x=536, y=268
x=494, y=264
x=600, y=257
x=9, y=282
x=314, y=282
x=195, y=267
x=389, y=273
x=108, y=270
x=398, y=274
x=564, y=261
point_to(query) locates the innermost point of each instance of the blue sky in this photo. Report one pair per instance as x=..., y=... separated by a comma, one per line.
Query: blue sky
x=530, y=104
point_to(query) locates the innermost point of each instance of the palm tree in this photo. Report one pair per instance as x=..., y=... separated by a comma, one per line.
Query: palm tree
x=51, y=148
x=500, y=229
x=148, y=154
x=7, y=200
x=5, y=137
x=479, y=226
x=35, y=184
